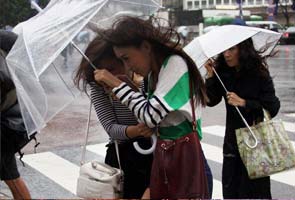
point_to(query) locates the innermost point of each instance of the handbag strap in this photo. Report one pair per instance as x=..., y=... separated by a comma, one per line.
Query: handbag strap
x=86, y=140
x=192, y=105
x=116, y=142
x=238, y=110
x=86, y=135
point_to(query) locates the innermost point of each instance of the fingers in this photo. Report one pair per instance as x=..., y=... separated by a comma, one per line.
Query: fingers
x=231, y=95
x=104, y=76
x=209, y=67
x=98, y=75
x=234, y=100
x=144, y=130
x=230, y=98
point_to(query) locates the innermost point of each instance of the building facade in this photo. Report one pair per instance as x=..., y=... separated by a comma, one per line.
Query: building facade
x=225, y=4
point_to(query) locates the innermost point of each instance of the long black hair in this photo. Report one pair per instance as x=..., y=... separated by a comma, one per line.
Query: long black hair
x=250, y=59
x=165, y=41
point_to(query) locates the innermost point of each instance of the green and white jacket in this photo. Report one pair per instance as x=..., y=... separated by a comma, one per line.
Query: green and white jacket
x=168, y=107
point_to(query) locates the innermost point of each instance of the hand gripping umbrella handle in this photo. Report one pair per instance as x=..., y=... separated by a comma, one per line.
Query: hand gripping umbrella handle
x=245, y=122
x=146, y=151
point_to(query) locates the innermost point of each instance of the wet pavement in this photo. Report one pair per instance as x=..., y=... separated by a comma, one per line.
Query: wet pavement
x=65, y=134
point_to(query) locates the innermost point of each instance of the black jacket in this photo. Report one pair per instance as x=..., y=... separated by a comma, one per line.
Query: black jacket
x=257, y=90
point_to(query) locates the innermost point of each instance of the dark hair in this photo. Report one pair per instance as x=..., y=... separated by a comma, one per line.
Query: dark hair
x=250, y=59
x=7, y=40
x=165, y=41
x=97, y=50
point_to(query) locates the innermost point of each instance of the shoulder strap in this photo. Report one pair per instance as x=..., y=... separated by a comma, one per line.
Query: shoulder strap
x=86, y=140
x=116, y=142
x=192, y=105
x=86, y=136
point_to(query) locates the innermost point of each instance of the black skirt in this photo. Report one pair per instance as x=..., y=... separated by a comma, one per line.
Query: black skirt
x=136, y=167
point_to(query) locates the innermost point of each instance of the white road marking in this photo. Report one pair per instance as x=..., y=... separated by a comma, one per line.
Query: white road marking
x=290, y=115
x=65, y=173
x=215, y=154
x=290, y=127
x=61, y=171
x=217, y=189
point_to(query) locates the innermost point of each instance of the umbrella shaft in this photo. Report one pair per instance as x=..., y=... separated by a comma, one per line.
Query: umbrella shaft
x=84, y=56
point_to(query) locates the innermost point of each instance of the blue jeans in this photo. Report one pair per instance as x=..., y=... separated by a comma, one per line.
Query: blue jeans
x=209, y=176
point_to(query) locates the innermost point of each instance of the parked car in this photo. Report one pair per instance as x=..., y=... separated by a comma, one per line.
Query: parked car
x=288, y=36
x=271, y=25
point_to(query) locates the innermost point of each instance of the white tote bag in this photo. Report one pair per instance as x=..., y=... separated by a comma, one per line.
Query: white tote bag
x=97, y=179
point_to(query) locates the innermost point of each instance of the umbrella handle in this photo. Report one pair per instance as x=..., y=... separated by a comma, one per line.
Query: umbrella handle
x=146, y=151
x=245, y=122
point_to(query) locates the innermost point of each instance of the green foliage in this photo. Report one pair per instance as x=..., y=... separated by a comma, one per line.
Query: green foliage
x=13, y=12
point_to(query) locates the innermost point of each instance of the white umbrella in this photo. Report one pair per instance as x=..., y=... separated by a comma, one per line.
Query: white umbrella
x=43, y=81
x=222, y=38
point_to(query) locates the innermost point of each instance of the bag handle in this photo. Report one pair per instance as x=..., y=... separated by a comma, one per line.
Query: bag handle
x=238, y=110
x=116, y=142
x=86, y=140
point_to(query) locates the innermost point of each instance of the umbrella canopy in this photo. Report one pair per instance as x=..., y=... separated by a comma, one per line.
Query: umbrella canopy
x=222, y=38
x=37, y=60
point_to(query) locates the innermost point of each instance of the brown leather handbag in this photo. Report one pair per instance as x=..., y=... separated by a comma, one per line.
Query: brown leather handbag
x=178, y=169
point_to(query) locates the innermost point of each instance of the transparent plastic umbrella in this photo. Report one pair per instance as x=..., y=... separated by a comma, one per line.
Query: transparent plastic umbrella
x=39, y=61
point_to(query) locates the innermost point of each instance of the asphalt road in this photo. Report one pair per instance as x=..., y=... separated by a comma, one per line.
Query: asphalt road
x=61, y=140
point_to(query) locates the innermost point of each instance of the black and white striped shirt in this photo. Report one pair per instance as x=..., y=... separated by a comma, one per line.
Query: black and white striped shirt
x=112, y=114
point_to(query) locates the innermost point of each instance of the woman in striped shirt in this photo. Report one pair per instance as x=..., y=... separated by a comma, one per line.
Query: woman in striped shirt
x=174, y=82
x=117, y=120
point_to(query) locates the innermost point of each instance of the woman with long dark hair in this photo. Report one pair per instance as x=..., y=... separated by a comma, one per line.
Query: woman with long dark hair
x=175, y=87
x=245, y=74
x=120, y=123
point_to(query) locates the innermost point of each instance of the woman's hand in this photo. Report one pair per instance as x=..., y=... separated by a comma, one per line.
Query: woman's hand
x=209, y=67
x=146, y=194
x=103, y=76
x=139, y=130
x=234, y=100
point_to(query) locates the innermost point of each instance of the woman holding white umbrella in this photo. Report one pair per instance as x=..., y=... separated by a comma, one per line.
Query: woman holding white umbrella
x=245, y=75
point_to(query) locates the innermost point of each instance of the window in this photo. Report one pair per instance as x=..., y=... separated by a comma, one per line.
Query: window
x=218, y=2
x=189, y=4
x=197, y=4
x=204, y=3
x=250, y=2
x=226, y=2
x=258, y=2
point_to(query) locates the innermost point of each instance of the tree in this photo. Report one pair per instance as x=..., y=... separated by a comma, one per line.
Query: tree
x=13, y=12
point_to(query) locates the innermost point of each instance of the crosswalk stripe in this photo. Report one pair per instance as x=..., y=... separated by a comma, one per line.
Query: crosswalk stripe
x=99, y=149
x=217, y=189
x=217, y=186
x=286, y=177
x=290, y=115
x=65, y=173
x=212, y=152
x=215, y=154
x=216, y=130
x=219, y=131
x=289, y=126
x=61, y=171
